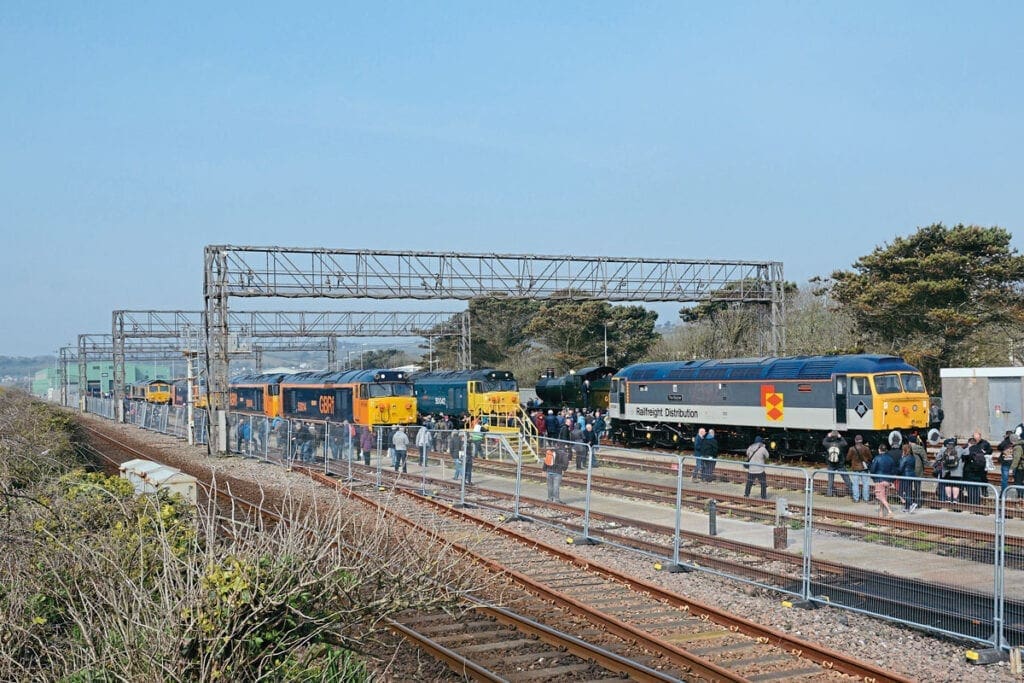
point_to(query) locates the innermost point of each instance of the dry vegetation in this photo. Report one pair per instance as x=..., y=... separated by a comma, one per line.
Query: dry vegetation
x=101, y=585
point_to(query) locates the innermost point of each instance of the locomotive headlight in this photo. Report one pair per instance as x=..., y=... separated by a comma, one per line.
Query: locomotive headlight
x=648, y=436
x=885, y=405
x=772, y=445
x=675, y=437
x=914, y=408
x=896, y=409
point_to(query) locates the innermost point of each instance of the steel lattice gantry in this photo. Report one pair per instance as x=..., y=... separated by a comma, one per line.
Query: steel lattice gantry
x=101, y=346
x=248, y=271
x=67, y=354
x=280, y=331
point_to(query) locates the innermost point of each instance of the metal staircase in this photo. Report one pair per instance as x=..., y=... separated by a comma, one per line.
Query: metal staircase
x=519, y=431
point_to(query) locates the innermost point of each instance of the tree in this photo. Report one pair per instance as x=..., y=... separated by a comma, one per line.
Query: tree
x=926, y=296
x=726, y=326
x=497, y=323
x=574, y=331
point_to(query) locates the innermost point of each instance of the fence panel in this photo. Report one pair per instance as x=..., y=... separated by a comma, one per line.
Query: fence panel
x=923, y=552
x=1010, y=610
x=756, y=510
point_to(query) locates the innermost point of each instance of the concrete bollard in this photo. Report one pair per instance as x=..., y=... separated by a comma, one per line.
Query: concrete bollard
x=780, y=534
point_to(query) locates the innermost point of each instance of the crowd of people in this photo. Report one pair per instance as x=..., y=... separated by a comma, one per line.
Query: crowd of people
x=899, y=465
x=893, y=469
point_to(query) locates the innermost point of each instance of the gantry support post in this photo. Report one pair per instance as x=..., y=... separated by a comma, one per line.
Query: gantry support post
x=117, y=332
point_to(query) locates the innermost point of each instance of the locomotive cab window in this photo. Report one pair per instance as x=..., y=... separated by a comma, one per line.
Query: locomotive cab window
x=887, y=384
x=912, y=383
x=859, y=386
x=274, y=390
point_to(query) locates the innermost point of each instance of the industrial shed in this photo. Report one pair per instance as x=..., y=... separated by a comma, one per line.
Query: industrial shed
x=985, y=399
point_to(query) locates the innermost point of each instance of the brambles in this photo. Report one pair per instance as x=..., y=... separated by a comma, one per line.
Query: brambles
x=102, y=585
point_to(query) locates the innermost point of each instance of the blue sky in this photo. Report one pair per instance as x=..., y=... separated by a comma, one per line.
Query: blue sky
x=808, y=133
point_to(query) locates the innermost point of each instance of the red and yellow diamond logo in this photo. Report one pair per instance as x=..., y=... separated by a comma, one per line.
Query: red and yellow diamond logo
x=772, y=402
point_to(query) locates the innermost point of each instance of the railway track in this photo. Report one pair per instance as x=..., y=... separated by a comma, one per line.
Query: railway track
x=780, y=480
x=952, y=609
x=944, y=541
x=493, y=643
x=700, y=641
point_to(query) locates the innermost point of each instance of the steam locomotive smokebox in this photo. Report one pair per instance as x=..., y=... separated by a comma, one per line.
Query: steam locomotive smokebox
x=780, y=537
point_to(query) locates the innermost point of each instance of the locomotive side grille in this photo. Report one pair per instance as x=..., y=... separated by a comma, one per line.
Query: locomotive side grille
x=747, y=373
x=817, y=369
x=785, y=370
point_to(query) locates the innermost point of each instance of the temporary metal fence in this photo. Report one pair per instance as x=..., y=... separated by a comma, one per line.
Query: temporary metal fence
x=103, y=407
x=163, y=418
x=756, y=510
x=945, y=561
x=875, y=567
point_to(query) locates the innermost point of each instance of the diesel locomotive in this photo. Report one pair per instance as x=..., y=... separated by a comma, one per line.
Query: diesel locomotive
x=364, y=397
x=790, y=402
x=153, y=391
x=466, y=392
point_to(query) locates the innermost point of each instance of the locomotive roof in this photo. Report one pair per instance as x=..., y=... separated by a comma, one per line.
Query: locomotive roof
x=599, y=370
x=257, y=378
x=346, y=376
x=464, y=375
x=794, y=367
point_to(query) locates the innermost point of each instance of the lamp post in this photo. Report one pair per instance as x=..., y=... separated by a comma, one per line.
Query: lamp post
x=361, y=352
x=606, y=341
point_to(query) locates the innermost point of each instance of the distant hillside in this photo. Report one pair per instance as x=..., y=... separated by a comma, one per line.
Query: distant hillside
x=21, y=366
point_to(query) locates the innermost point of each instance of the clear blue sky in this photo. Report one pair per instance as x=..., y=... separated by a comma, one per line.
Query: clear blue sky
x=809, y=133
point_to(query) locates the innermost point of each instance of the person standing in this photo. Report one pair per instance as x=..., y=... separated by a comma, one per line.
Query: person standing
x=591, y=441
x=975, y=466
x=1017, y=462
x=551, y=425
x=390, y=436
x=859, y=459
x=883, y=467
x=576, y=436
x=401, y=443
x=1005, y=449
x=244, y=433
x=599, y=425
x=455, y=450
x=835, y=447
x=556, y=462
x=467, y=460
x=905, y=468
x=757, y=455
x=709, y=449
x=365, y=443
x=698, y=463
x=423, y=441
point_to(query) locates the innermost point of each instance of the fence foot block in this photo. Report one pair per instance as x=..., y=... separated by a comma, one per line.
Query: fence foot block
x=678, y=569
x=986, y=656
x=800, y=604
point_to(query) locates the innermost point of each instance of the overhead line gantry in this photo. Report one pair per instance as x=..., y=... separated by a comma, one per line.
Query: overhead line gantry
x=286, y=272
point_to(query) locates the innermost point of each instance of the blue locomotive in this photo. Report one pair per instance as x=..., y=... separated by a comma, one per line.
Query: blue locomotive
x=466, y=392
